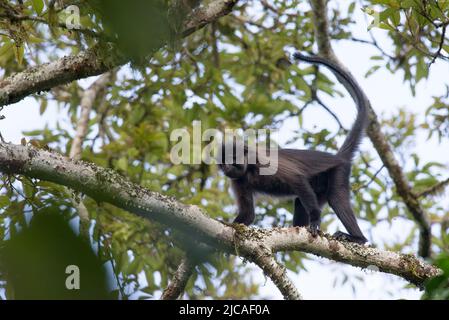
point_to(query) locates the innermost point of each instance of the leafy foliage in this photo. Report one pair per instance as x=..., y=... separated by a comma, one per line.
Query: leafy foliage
x=438, y=287
x=234, y=73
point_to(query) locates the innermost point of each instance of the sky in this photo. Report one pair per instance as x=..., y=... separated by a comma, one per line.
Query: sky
x=387, y=93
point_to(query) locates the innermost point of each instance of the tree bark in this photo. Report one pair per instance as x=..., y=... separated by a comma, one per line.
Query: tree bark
x=88, y=63
x=105, y=185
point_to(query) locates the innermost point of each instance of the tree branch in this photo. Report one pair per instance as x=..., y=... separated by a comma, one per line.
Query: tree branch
x=87, y=32
x=48, y=75
x=434, y=190
x=404, y=265
x=202, y=16
x=263, y=257
x=374, y=132
x=105, y=185
x=87, y=101
x=87, y=63
x=179, y=281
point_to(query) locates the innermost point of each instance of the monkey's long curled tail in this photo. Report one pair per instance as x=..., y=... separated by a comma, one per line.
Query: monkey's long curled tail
x=352, y=141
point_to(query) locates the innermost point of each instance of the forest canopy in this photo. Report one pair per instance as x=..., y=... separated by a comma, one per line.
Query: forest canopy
x=119, y=77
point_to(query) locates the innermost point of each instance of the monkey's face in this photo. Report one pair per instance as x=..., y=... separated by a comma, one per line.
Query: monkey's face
x=232, y=162
x=233, y=171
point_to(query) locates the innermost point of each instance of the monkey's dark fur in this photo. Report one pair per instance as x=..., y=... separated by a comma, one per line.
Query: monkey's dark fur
x=312, y=177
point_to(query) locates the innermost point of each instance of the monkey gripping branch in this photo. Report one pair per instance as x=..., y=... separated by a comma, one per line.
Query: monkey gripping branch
x=255, y=245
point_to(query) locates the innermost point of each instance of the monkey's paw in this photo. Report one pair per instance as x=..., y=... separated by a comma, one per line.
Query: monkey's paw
x=314, y=228
x=341, y=236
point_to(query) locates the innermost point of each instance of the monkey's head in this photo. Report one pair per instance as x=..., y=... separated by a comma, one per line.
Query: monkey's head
x=233, y=171
x=232, y=159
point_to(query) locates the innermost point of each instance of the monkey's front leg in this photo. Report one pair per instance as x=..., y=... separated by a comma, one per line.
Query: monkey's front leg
x=315, y=222
x=300, y=217
x=245, y=202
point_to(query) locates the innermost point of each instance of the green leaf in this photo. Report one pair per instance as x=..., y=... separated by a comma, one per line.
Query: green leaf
x=122, y=164
x=18, y=53
x=408, y=4
x=351, y=8
x=446, y=48
x=134, y=267
x=137, y=114
x=38, y=6
x=371, y=71
x=4, y=201
x=6, y=47
x=422, y=70
x=43, y=107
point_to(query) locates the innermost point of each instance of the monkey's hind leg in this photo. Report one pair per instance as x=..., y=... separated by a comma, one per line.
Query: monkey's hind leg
x=300, y=218
x=340, y=235
x=339, y=200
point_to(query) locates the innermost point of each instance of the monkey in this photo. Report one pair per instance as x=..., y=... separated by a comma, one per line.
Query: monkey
x=311, y=177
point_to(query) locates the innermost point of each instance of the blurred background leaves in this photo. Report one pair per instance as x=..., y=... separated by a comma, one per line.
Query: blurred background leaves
x=34, y=261
x=232, y=74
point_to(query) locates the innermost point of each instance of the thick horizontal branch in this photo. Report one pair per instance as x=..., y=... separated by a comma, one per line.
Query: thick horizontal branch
x=406, y=266
x=87, y=63
x=105, y=185
x=376, y=135
x=48, y=75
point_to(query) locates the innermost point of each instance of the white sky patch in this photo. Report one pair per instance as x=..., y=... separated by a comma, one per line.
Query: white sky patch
x=387, y=93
